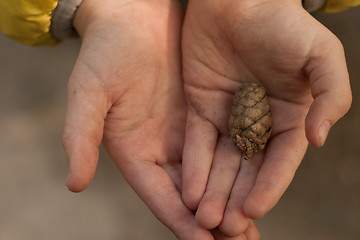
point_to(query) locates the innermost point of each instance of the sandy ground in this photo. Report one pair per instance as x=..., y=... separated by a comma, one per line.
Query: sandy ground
x=323, y=201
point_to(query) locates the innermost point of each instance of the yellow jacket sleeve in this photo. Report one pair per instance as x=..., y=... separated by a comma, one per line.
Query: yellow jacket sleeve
x=28, y=21
x=339, y=5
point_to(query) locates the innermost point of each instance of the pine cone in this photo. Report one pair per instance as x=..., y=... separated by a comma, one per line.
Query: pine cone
x=250, y=121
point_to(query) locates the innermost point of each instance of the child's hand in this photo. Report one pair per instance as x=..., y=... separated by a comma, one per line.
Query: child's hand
x=126, y=89
x=302, y=66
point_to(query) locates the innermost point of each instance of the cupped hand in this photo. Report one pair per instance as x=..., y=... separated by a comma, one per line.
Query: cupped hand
x=126, y=89
x=302, y=66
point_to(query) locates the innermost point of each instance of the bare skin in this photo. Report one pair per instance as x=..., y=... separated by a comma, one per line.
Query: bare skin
x=303, y=68
x=126, y=90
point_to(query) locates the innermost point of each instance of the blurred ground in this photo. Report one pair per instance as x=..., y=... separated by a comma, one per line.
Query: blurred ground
x=323, y=201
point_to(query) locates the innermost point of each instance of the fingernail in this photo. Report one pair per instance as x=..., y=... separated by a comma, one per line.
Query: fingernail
x=323, y=131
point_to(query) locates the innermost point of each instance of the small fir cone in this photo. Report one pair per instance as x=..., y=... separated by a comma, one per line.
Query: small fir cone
x=250, y=121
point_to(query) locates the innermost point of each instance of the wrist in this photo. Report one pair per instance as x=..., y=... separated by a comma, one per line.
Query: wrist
x=122, y=14
x=99, y=13
x=84, y=15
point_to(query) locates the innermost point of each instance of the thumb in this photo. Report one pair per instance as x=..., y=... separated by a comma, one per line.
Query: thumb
x=83, y=130
x=330, y=88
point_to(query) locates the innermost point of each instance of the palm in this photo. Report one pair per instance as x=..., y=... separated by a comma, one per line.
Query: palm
x=145, y=140
x=272, y=43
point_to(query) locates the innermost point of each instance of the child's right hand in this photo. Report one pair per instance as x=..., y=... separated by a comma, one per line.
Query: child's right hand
x=303, y=68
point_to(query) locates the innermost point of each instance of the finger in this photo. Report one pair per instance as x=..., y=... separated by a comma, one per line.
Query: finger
x=282, y=158
x=235, y=221
x=223, y=172
x=252, y=233
x=159, y=192
x=83, y=131
x=218, y=235
x=200, y=142
x=331, y=91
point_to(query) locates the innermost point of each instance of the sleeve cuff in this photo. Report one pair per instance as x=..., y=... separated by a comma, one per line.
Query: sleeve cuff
x=62, y=19
x=313, y=5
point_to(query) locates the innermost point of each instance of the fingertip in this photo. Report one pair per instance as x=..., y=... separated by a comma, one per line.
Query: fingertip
x=77, y=185
x=252, y=233
x=82, y=168
x=316, y=134
x=75, y=188
x=209, y=215
x=255, y=208
x=324, y=112
x=79, y=179
x=218, y=234
x=234, y=223
x=191, y=198
x=323, y=132
x=82, y=157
